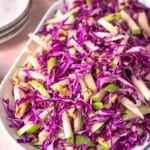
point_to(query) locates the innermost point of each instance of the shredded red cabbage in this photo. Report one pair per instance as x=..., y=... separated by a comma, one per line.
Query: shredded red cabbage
x=89, y=88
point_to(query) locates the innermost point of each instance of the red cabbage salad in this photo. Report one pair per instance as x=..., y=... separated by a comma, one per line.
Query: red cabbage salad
x=87, y=85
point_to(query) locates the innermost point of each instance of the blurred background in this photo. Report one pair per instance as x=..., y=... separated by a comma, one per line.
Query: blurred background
x=10, y=49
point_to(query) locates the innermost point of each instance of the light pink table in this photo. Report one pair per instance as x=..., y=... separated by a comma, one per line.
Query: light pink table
x=10, y=50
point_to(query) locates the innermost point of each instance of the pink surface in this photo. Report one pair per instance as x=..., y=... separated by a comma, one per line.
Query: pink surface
x=10, y=50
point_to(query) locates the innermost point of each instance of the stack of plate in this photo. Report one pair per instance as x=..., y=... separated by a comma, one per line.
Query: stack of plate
x=14, y=16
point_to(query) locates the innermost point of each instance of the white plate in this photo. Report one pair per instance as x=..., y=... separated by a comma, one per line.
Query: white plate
x=11, y=10
x=15, y=30
x=6, y=86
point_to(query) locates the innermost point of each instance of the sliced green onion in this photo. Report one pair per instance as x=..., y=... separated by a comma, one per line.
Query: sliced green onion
x=33, y=61
x=32, y=128
x=40, y=88
x=76, y=45
x=90, y=81
x=111, y=88
x=130, y=115
x=132, y=107
x=99, y=95
x=137, y=31
x=41, y=137
x=78, y=121
x=73, y=11
x=70, y=20
x=67, y=125
x=131, y=23
x=104, y=148
x=96, y=126
x=141, y=87
x=115, y=61
x=86, y=92
x=109, y=17
x=97, y=105
x=88, y=2
x=101, y=147
x=72, y=51
x=51, y=63
x=108, y=26
x=112, y=17
x=56, y=86
x=61, y=134
x=80, y=140
x=104, y=144
x=143, y=22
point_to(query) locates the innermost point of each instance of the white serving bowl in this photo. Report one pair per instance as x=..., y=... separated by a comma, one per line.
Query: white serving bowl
x=6, y=86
